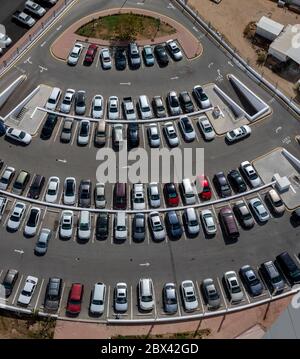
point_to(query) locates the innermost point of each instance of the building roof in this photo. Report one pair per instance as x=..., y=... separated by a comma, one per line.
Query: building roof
x=288, y=43
x=270, y=26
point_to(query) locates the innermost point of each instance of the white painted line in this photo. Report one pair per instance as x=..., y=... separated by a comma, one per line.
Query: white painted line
x=17, y=290
x=1, y=272
x=58, y=130
x=74, y=133
x=9, y=214
x=112, y=230
x=245, y=291
x=108, y=302
x=155, y=310
x=174, y=78
x=39, y=294
x=125, y=83
x=293, y=189
x=61, y=298
x=199, y=294
x=42, y=68
x=59, y=27
x=91, y=135
x=194, y=28
x=43, y=44
x=94, y=229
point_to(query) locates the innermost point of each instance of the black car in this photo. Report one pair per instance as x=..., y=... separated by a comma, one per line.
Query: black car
x=120, y=60
x=9, y=281
x=36, y=187
x=161, y=55
x=2, y=128
x=53, y=294
x=289, y=267
x=296, y=216
x=49, y=126
x=186, y=102
x=139, y=227
x=85, y=193
x=251, y=280
x=237, y=182
x=102, y=226
x=133, y=137
x=222, y=185
x=173, y=225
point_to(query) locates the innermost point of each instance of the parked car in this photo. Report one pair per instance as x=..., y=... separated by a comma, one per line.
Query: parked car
x=259, y=210
x=53, y=294
x=173, y=225
x=129, y=108
x=189, y=297
x=133, y=136
x=6, y=178
x=66, y=224
x=52, y=189
x=171, y=195
x=49, y=126
x=250, y=174
x=113, y=108
x=201, y=97
x=69, y=195
x=120, y=226
x=138, y=197
x=211, y=294
x=16, y=216
x=171, y=135
x=272, y=277
x=203, y=187
x=90, y=54
x=24, y=19
x=170, y=300
x=252, y=282
x=9, y=281
x=97, y=106
x=295, y=217
x=174, y=50
x=173, y=104
x=139, y=227
x=102, y=226
x=31, y=225
x=18, y=136
x=236, y=181
x=186, y=102
x=80, y=105
x=34, y=9
x=208, y=222
x=159, y=107
x=238, y=133
x=84, y=132
x=134, y=56
x=146, y=295
x=75, y=54
x=105, y=59
x=222, y=185
x=275, y=202
x=153, y=195
x=153, y=135
x=206, y=128
x=161, y=55
x=121, y=298
x=85, y=193
x=118, y=136
x=120, y=59
x=100, y=134
x=75, y=299
x=66, y=132
x=148, y=55
x=36, y=187
x=84, y=226
x=187, y=129
x=98, y=299
x=42, y=243
x=67, y=101
x=156, y=226
x=28, y=290
x=289, y=267
x=233, y=287
x=99, y=194
x=191, y=221
x=228, y=223
x=243, y=214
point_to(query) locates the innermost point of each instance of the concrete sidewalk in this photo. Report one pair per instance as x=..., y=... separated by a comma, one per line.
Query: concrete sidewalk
x=251, y=323
x=62, y=46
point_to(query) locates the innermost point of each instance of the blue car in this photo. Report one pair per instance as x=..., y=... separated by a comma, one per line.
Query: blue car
x=173, y=225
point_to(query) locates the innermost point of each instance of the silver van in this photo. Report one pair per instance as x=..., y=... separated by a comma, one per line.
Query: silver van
x=53, y=99
x=146, y=297
x=98, y=299
x=145, y=109
x=100, y=134
x=188, y=192
x=191, y=221
x=84, y=225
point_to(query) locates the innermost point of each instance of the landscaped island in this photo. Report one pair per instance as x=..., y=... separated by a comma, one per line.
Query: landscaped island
x=125, y=27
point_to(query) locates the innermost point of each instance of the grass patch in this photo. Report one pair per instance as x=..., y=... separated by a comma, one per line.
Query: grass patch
x=125, y=27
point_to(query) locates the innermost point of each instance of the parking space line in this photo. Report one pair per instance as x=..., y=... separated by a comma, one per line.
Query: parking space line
x=41, y=221
x=154, y=295
x=25, y=218
x=39, y=294
x=61, y=298
x=58, y=130
x=92, y=128
x=28, y=188
x=245, y=291
x=223, y=295
x=1, y=272
x=94, y=229
x=112, y=229
x=143, y=135
x=297, y=258
x=74, y=134
x=108, y=302
x=199, y=294
x=9, y=214
x=212, y=188
x=131, y=303
x=17, y=290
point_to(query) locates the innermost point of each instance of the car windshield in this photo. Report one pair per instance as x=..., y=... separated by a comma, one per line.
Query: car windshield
x=14, y=218
x=190, y=298
x=97, y=302
x=121, y=228
x=84, y=226
x=41, y=244
x=25, y=293
x=51, y=192
x=121, y=300
x=147, y=298
x=193, y=223
x=155, y=197
x=171, y=301
x=276, y=279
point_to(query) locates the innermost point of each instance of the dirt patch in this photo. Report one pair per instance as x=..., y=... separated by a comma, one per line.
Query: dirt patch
x=231, y=18
x=12, y=327
x=198, y=334
x=126, y=27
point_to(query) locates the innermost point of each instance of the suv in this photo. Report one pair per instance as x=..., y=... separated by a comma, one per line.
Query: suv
x=250, y=174
x=273, y=277
x=159, y=107
x=289, y=267
x=228, y=223
x=222, y=185
x=9, y=281
x=186, y=102
x=134, y=56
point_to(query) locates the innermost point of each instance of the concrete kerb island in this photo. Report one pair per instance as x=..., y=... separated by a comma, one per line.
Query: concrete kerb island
x=61, y=47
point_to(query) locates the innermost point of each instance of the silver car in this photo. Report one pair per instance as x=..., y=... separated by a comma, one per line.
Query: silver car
x=250, y=174
x=206, y=128
x=66, y=132
x=153, y=195
x=120, y=298
x=66, y=224
x=75, y=54
x=171, y=135
x=211, y=294
x=159, y=107
x=6, y=178
x=43, y=241
x=66, y=104
x=28, y=290
x=259, y=210
x=105, y=59
x=157, y=227
x=189, y=297
x=173, y=103
x=153, y=135
x=235, y=292
x=208, y=222
x=170, y=298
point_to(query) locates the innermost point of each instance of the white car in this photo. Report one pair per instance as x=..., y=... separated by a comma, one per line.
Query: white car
x=98, y=299
x=52, y=189
x=32, y=221
x=42, y=243
x=105, y=59
x=66, y=104
x=15, y=218
x=100, y=201
x=238, y=133
x=120, y=298
x=35, y=8
x=153, y=135
x=120, y=226
x=75, y=54
x=189, y=297
x=174, y=50
x=6, y=178
x=191, y=221
x=4, y=39
x=97, y=106
x=259, y=210
x=69, y=196
x=187, y=129
x=18, y=135
x=113, y=108
x=233, y=286
x=206, y=128
x=66, y=224
x=138, y=197
x=208, y=222
x=153, y=195
x=173, y=103
x=157, y=227
x=250, y=174
x=84, y=132
x=171, y=134
x=28, y=290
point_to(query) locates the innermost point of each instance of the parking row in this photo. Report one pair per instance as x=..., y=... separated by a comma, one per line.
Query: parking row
x=146, y=299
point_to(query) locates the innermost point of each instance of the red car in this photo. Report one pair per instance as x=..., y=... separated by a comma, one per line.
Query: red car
x=171, y=195
x=203, y=187
x=90, y=54
x=75, y=299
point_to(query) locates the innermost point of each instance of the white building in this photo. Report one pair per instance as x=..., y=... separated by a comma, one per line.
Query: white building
x=268, y=28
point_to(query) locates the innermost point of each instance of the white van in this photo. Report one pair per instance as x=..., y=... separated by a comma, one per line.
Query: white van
x=191, y=221
x=98, y=299
x=145, y=109
x=84, y=225
x=188, y=191
x=53, y=99
x=146, y=298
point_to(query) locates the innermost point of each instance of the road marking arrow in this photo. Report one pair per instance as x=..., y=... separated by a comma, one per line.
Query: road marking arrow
x=19, y=251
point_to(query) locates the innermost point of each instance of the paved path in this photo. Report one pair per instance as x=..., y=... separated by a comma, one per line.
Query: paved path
x=190, y=44
x=245, y=324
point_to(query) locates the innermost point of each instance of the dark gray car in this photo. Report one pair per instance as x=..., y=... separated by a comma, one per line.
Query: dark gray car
x=170, y=300
x=211, y=295
x=53, y=294
x=138, y=227
x=252, y=282
x=66, y=132
x=85, y=192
